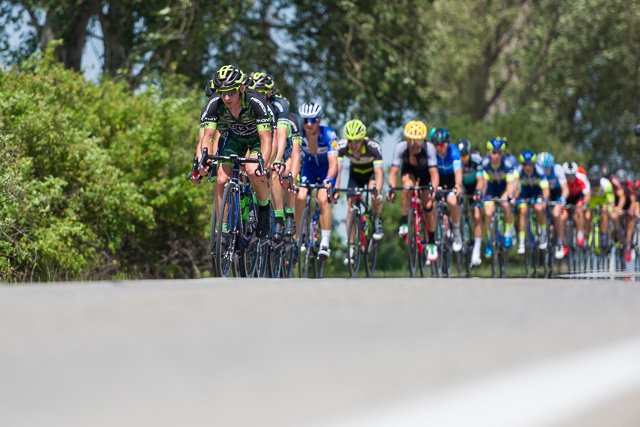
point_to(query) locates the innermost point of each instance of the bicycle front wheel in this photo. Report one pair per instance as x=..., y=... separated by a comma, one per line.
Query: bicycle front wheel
x=353, y=242
x=212, y=240
x=228, y=219
x=305, y=245
x=412, y=243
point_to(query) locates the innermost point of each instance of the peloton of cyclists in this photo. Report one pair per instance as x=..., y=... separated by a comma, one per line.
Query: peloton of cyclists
x=555, y=189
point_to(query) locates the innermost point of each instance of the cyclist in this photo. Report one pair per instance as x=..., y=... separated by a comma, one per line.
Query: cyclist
x=450, y=171
x=579, y=196
x=416, y=160
x=243, y=121
x=293, y=167
x=602, y=195
x=366, y=171
x=474, y=184
x=282, y=146
x=531, y=181
x=624, y=191
x=498, y=170
x=320, y=148
x=555, y=190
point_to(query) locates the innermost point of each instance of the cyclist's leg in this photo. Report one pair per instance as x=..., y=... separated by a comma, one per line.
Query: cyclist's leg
x=325, y=215
x=523, y=208
x=408, y=180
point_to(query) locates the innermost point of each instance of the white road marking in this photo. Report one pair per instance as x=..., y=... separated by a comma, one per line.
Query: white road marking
x=537, y=395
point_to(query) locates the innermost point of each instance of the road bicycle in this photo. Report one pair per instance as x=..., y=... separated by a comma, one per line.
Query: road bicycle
x=499, y=252
x=416, y=238
x=308, y=245
x=360, y=230
x=532, y=252
x=282, y=253
x=233, y=234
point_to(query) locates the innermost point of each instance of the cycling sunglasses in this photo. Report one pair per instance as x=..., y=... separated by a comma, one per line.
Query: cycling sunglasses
x=229, y=92
x=311, y=120
x=354, y=141
x=415, y=141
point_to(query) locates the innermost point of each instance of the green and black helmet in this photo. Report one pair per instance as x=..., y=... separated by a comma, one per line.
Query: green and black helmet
x=354, y=130
x=228, y=77
x=264, y=83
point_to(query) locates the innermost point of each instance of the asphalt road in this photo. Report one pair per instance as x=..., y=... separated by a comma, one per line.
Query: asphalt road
x=394, y=352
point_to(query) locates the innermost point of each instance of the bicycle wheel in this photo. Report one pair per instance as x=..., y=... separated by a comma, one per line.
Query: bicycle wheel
x=249, y=257
x=276, y=257
x=353, y=242
x=305, y=245
x=528, y=245
x=412, y=243
x=495, y=245
x=226, y=240
x=371, y=251
x=212, y=240
x=446, y=249
x=436, y=266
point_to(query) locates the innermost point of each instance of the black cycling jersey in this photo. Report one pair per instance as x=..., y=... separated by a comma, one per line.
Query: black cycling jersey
x=370, y=157
x=280, y=109
x=295, y=128
x=255, y=115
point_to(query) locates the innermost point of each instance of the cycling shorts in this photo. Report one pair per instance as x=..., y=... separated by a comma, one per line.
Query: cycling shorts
x=495, y=189
x=419, y=174
x=313, y=173
x=233, y=144
x=529, y=193
x=448, y=181
x=358, y=180
x=575, y=200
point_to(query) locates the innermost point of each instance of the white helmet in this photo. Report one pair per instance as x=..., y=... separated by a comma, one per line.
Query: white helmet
x=310, y=110
x=570, y=168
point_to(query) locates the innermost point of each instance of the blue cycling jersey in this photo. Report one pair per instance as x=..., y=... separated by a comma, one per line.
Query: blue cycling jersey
x=327, y=146
x=451, y=162
x=533, y=180
x=555, y=178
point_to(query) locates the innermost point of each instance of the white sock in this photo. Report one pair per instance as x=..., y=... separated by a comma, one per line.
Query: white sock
x=325, y=237
x=521, y=241
x=477, y=243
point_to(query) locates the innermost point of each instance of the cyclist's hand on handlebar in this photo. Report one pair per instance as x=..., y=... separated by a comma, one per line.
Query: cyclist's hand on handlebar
x=336, y=196
x=391, y=196
x=279, y=166
x=328, y=183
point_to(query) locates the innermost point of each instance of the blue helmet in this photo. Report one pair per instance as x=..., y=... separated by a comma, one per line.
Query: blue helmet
x=527, y=157
x=544, y=160
x=440, y=136
x=496, y=144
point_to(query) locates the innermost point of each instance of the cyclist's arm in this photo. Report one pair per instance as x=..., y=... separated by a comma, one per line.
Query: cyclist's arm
x=281, y=142
x=338, y=175
x=458, y=177
x=265, y=143
x=295, y=158
x=435, y=176
x=393, y=176
x=565, y=190
x=333, y=166
x=378, y=173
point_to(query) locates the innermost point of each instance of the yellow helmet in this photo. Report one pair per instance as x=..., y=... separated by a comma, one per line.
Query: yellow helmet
x=415, y=130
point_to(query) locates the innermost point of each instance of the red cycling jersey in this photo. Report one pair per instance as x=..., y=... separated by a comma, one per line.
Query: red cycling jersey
x=579, y=187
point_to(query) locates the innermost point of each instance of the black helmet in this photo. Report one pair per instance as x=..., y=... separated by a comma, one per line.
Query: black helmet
x=594, y=175
x=605, y=171
x=464, y=146
x=228, y=77
x=263, y=82
x=439, y=136
x=622, y=176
